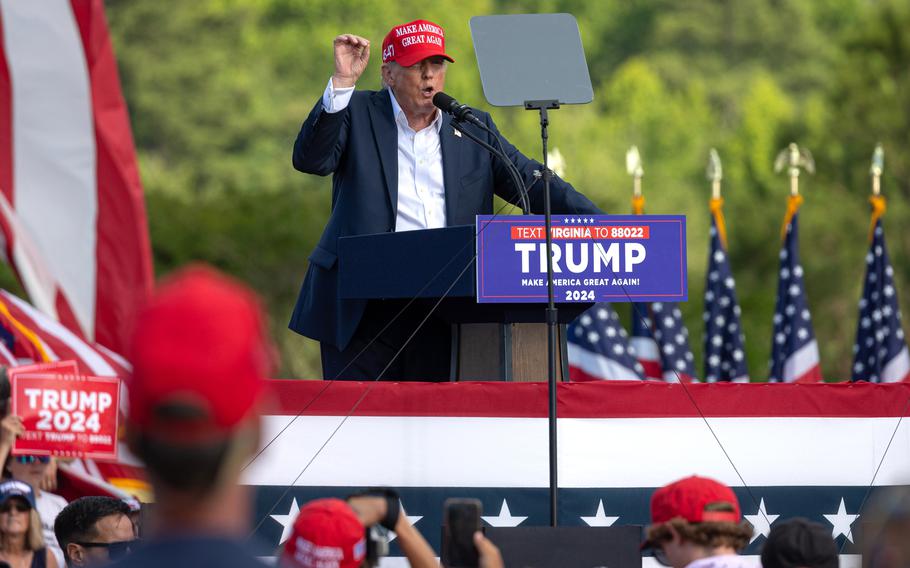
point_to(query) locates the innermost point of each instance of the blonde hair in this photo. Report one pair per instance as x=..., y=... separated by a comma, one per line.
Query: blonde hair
x=34, y=537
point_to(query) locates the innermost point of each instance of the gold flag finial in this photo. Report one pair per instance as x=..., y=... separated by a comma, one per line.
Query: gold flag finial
x=878, y=166
x=715, y=172
x=635, y=169
x=793, y=158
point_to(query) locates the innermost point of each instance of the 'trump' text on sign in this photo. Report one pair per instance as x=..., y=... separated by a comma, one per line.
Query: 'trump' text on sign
x=596, y=258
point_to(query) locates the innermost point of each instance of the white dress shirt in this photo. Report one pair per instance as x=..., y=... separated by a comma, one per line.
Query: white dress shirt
x=421, y=190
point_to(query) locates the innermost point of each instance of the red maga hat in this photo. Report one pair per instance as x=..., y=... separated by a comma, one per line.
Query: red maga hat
x=327, y=534
x=695, y=499
x=413, y=42
x=200, y=357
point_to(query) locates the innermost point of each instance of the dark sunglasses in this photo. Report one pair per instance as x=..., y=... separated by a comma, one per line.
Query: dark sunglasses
x=115, y=550
x=15, y=506
x=27, y=460
x=660, y=556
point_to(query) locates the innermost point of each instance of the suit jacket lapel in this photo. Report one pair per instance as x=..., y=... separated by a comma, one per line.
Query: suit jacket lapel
x=385, y=133
x=451, y=157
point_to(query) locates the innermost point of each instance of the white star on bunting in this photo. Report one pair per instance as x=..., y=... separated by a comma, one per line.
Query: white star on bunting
x=287, y=521
x=761, y=521
x=600, y=519
x=411, y=519
x=841, y=521
x=505, y=518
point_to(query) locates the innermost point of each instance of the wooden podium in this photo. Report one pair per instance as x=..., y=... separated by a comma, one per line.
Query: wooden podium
x=505, y=342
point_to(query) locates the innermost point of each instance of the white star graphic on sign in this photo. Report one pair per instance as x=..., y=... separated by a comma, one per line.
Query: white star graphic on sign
x=600, y=519
x=761, y=521
x=505, y=518
x=411, y=519
x=287, y=521
x=841, y=521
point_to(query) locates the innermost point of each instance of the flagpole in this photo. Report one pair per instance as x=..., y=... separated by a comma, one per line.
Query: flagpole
x=635, y=169
x=878, y=166
x=715, y=173
x=793, y=158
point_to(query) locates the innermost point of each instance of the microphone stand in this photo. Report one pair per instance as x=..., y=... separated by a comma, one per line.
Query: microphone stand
x=458, y=124
x=542, y=107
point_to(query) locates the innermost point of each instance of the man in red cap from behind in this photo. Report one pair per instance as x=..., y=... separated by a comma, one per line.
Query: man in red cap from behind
x=200, y=358
x=696, y=523
x=398, y=165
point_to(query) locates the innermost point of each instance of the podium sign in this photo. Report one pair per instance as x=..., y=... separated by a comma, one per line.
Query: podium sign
x=596, y=258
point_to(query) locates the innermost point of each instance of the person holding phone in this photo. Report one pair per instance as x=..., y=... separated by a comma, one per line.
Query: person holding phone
x=332, y=532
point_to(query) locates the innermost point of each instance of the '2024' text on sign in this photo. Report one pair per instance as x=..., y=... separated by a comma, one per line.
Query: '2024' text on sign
x=67, y=415
x=595, y=258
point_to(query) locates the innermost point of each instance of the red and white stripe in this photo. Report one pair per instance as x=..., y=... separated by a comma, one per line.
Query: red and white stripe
x=587, y=365
x=648, y=354
x=898, y=368
x=804, y=365
x=495, y=434
x=57, y=342
x=72, y=210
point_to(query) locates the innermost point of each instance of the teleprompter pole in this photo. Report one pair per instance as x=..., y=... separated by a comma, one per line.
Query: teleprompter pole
x=542, y=107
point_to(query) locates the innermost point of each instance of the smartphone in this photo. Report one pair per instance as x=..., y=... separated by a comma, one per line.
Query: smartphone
x=461, y=521
x=377, y=538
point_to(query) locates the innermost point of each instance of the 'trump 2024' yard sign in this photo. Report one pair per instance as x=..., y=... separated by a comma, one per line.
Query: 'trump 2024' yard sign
x=67, y=415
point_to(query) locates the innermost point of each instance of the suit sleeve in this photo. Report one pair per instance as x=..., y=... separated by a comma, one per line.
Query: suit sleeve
x=564, y=199
x=322, y=140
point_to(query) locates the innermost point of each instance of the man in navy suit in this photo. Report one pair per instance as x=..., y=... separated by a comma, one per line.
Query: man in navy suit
x=397, y=165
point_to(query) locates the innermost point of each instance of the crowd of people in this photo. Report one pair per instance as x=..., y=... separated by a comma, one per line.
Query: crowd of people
x=195, y=421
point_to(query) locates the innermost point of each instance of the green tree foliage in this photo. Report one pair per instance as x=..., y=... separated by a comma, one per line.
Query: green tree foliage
x=217, y=90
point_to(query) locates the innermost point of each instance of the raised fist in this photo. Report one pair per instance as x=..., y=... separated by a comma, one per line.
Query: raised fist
x=351, y=56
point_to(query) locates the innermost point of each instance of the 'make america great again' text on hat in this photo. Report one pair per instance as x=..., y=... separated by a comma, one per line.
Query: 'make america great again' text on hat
x=413, y=42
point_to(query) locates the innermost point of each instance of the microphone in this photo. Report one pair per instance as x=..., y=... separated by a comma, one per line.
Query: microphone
x=461, y=112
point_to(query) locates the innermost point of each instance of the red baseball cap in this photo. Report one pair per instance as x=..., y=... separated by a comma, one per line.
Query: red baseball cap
x=327, y=534
x=410, y=43
x=695, y=499
x=200, y=355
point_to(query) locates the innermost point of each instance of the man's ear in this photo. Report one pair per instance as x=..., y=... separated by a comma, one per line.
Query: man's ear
x=387, y=78
x=76, y=554
x=674, y=534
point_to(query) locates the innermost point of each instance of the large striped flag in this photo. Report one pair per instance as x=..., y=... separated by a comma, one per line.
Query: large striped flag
x=725, y=353
x=880, y=353
x=72, y=212
x=794, y=350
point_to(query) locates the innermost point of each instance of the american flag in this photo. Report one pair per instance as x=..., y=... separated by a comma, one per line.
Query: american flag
x=599, y=349
x=880, y=353
x=794, y=350
x=661, y=341
x=72, y=212
x=725, y=354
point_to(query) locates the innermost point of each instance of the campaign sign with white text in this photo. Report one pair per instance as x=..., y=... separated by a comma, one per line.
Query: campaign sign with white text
x=596, y=258
x=67, y=415
x=68, y=367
